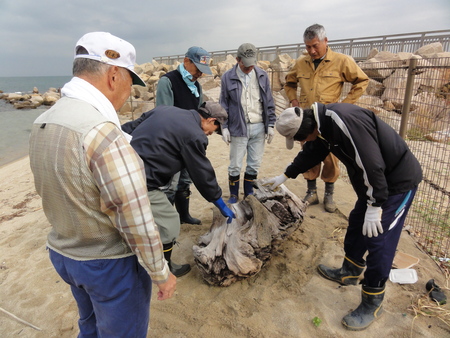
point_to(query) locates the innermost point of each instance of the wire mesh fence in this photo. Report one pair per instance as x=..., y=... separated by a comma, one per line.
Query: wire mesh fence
x=413, y=97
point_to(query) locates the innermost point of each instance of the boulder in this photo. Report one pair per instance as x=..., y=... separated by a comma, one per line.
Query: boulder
x=50, y=98
x=430, y=50
x=375, y=69
x=374, y=88
x=223, y=66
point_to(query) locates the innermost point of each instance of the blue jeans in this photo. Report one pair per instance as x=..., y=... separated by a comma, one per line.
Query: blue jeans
x=383, y=247
x=252, y=145
x=113, y=295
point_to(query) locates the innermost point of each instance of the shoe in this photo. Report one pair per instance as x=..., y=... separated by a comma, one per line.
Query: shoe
x=176, y=269
x=368, y=311
x=182, y=206
x=311, y=197
x=348, y=274
x=233, y=182
x=248, y=184
x=436, y=294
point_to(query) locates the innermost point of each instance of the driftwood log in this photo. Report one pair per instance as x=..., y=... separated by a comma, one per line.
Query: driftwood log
x=231, y=252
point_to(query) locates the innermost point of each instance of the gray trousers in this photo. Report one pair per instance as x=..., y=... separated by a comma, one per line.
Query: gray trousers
x=165, y=216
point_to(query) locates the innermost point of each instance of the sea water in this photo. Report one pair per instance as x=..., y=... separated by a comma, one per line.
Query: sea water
x=15, y=124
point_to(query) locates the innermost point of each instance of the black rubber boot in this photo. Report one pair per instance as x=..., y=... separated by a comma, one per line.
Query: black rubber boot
x=328, y=202
x=311, y=194
x=347, y=275
x=177, y=270
x=370, y=309
x=233, y=182
x=182, y=205
x=248, y=184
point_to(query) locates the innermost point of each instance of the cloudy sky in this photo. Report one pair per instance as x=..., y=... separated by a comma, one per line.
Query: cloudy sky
x=37, y=37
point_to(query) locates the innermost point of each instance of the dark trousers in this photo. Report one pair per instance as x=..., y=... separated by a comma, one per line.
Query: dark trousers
x=381, y=249
x=113, y=295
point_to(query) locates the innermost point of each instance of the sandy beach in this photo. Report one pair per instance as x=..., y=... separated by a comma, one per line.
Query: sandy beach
x=280, y=301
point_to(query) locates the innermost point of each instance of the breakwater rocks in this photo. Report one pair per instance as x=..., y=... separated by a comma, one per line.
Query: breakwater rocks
x=32, y=100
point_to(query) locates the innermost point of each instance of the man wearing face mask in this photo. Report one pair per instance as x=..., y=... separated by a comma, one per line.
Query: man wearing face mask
x=247, y=98
x=181, y=89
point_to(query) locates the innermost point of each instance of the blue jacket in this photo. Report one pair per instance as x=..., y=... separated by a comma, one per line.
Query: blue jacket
x=230, y=99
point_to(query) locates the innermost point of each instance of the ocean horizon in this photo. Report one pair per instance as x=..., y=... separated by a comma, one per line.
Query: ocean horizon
x=25, y=84
x=16, y=123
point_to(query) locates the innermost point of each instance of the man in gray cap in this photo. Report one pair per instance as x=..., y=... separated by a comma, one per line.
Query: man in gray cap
x=103, y=242
x=170, y=139
x=246, y=96
x=181, y=89
x=384, y=174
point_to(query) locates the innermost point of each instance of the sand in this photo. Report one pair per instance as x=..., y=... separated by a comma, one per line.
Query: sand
x=280, y=301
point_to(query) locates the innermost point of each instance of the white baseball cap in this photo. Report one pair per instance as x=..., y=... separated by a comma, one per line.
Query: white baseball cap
x=109, y=49
x=288, y=123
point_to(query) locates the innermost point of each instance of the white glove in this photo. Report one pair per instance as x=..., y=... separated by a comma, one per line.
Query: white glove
x=274, y=182
x=226, y=136
x=372, y=222
x=269, y=135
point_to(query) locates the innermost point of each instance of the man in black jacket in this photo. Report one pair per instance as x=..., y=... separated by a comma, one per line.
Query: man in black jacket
x=169, y=139
x=384, y=174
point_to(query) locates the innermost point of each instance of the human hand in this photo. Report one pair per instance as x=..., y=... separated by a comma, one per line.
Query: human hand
x=167, y=289
x=274, y=182
x=294, y=103
x=224, y=210
x=270, y=134
x=226, y=136
x=372, y=222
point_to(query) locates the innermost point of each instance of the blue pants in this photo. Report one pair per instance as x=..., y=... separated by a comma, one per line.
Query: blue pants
x=252, y=145
x=381, y=249
x=113, y=295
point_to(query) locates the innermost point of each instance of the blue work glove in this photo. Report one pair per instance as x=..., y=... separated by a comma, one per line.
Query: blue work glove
x=225, y=211
x=372, y=222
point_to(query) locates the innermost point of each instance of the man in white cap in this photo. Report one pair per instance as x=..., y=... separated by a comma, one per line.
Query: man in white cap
x=181, y=89
x=384, y=174
x=246, y=96
x=103, y=242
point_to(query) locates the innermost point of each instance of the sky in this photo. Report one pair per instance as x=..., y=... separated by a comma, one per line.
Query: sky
x=38, y=37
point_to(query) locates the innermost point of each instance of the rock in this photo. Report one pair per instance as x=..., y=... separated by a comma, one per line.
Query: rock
x=374, y=88
x=375, y=69
x=281, y=66
x=367, y=101
x=50, y=98
x=430, y=50
x=223, y=66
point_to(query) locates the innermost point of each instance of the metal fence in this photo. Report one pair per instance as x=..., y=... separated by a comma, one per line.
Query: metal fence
x=358, y=48
x=415, y=100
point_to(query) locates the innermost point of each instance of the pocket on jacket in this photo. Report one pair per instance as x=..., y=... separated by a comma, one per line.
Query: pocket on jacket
x=306, y=76
x=330, y=74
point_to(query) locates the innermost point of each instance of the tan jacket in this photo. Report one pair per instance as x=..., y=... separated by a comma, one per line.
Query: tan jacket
x=325, y=83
